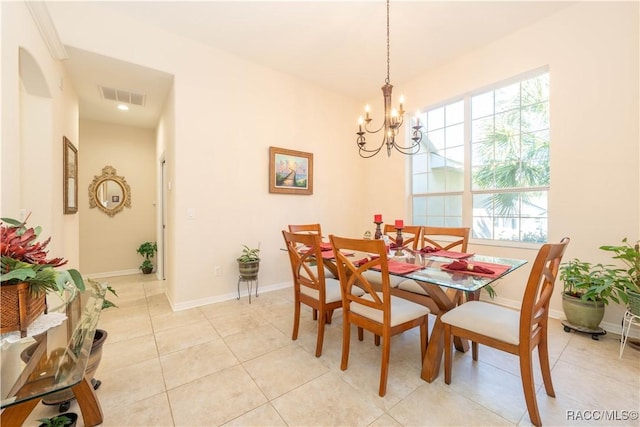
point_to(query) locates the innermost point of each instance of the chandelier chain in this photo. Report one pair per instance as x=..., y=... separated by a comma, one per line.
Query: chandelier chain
x=388, y=46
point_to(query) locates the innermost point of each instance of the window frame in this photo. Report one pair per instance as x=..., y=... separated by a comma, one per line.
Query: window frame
x=468, y=193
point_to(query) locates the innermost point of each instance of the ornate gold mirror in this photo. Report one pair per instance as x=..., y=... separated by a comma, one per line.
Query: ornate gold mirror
x=109, y=192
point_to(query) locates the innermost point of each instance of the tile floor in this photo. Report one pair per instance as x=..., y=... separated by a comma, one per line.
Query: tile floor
x=235, y=364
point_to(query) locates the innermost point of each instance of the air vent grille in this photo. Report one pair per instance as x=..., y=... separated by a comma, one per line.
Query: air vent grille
x=123, y=95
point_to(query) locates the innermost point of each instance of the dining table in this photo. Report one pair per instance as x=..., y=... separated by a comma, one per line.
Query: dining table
x=444, y=287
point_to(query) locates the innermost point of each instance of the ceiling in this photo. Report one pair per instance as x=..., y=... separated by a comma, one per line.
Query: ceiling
x=338, y=45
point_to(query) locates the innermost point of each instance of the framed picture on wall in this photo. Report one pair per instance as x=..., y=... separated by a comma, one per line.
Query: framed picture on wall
x=290, y=171
x=70, y=176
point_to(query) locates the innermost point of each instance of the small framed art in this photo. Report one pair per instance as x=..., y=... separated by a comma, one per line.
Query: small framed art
x=290, y=171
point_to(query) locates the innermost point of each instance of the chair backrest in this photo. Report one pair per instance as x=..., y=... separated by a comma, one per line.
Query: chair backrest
x=351, y=275
x=306, y=228
x=534, y=311
x=410, y=235
x=431, y=235
x=306, y=261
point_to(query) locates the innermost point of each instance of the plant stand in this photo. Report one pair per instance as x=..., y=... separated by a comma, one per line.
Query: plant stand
x=249, y=281
x=595, y=333
x=628, y=320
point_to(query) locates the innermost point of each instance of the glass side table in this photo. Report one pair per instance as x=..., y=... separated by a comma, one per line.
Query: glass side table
x=58, y=362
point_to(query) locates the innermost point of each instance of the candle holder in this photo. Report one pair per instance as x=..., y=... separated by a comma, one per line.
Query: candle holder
x=378, y=233
x=399, y=241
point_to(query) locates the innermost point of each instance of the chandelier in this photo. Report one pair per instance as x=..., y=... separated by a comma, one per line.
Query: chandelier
x=393, y=120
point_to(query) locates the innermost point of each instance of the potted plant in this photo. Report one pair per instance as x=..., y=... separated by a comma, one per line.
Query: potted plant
x=68, y=419
x=147, y=250
x=587, y=289
x=628, y=278
x=249, y=262
x=27, y=275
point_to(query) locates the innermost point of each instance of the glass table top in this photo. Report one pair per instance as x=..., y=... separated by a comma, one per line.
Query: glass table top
x=432, y=271
x=53, y=360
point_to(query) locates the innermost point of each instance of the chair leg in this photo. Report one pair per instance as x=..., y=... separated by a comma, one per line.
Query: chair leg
x=315, y=314
x=329, y=316
x=543, y=355
x=526, y=372
x=474, y=350
x=346, y=338
x=448, y=342
x=384, y=369
x=360, y=334
x=320, y=339
x=424, y=340
x=296, y=320
x=376, y=340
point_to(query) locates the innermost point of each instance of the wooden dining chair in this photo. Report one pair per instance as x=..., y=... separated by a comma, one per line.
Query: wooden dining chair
x=410, y=235
x=433, y=236
x=440, y=238
x=513, y=331
x=306, y=228
x=310, y=286
x=376, y=311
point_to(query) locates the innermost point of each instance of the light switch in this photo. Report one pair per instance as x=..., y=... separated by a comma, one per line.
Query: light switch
x=191, y=213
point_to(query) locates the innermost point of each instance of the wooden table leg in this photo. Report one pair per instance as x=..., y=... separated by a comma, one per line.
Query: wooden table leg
x=88, y=402
x=17, y=414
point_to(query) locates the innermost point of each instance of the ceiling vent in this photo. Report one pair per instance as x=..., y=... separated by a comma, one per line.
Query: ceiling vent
x=122, y=95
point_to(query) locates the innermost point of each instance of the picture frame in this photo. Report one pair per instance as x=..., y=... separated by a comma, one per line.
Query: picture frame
x=115, y=199
x=290, y=171
x=70, y=176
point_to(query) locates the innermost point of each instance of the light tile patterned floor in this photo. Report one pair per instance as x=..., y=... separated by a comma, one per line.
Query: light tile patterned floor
x=235, y=364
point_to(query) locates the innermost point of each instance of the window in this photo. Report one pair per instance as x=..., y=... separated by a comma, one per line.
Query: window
x=498, y=181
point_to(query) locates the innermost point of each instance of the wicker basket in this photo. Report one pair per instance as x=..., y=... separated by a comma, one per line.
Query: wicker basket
x=634, y=302
x=19, y=308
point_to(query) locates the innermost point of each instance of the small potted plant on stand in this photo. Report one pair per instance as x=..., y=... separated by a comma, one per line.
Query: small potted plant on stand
x=147, y=250
x=249, y=262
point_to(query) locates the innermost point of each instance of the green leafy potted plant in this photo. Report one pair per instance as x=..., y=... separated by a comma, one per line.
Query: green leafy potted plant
x=249, y=262
x=629, y=277
x=147, y=250
x=587, y=289
x=68, y=419
x=27, y=275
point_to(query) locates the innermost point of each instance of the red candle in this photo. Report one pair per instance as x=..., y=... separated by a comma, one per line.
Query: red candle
x=399, y=223
x=377, y=218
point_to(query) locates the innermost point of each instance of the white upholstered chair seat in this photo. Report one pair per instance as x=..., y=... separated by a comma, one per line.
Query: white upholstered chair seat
x=375, y=278
x=402, y=310
x=411, y=286
x=488, y=319
x=331, y=292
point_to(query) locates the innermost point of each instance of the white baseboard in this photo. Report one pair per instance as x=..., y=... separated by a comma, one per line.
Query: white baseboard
x=230, y=296
x=112, y=274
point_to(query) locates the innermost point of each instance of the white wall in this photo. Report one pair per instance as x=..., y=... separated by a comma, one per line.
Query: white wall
x=108, y=243
x=39, y=122
x=592, y=51
x=227, y=112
